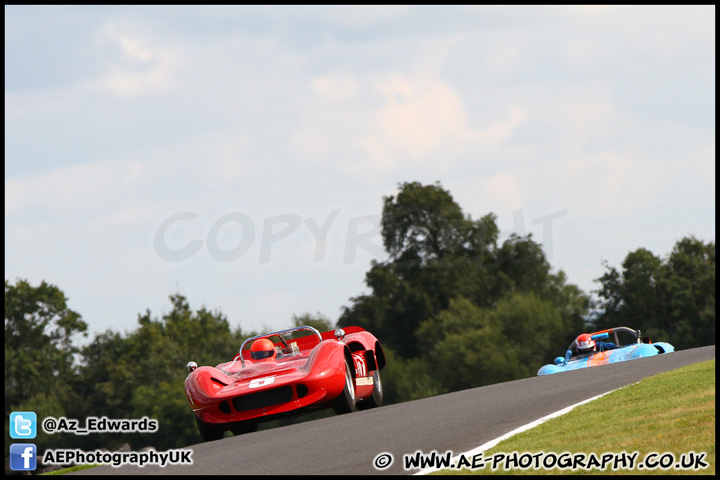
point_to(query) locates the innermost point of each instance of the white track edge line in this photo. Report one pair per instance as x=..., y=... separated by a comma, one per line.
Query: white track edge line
x=492, y=443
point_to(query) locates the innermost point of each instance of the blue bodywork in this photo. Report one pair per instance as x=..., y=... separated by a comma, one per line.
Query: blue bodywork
x=618, y=354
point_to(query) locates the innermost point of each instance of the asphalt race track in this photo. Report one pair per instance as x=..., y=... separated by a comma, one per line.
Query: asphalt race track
x=459, y=421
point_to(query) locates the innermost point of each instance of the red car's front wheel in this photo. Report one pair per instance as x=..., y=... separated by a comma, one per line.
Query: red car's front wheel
x=345, y=402
x=210, y=432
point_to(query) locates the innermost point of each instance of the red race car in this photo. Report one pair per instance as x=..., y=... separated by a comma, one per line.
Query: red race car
x=284, y=373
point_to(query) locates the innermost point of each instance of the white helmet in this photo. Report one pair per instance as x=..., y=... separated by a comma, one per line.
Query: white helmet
x=585, y=343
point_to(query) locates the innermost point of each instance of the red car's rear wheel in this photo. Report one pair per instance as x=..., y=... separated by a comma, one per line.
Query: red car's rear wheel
x=374, y=400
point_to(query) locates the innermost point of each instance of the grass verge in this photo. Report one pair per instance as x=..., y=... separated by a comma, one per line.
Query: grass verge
x=63, y=471
x=667, y=418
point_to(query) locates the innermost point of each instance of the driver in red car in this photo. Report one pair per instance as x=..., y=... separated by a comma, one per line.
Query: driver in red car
x=262, y=349
x=585, y=344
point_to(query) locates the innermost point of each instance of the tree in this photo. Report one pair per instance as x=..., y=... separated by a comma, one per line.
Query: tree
x=687, y=287
x=671, y=299
x=40, y=368
x=631, y=297
x=392, y=312
x=452, y=306
x=438, y=254
x=39, y=332
x=406, y=379
x=422, y=223
x=319, y=322
x=142, y=373
x=520, y=265
x=571, y=303
x=435, y=253
x=468, y=346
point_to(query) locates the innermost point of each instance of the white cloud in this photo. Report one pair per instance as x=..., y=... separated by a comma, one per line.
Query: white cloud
x=601, y=112
x=412, y=122
x=361, y=15
x=21, y=104
x=145, y=66
x=107, y=187
x=418, y=114
x=335, y=87
x=66, y=191
x=505, y=190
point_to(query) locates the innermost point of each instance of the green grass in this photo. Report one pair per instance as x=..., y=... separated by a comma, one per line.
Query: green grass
x=673, y=412
x=63, y=471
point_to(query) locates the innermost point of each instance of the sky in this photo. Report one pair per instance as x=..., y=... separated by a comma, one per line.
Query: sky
x=239, y=155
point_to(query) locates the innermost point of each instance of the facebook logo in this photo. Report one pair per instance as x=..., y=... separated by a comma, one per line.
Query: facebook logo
x=23, y=456
x=23, y=425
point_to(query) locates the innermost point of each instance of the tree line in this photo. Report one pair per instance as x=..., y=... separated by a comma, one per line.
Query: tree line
x=454, y=307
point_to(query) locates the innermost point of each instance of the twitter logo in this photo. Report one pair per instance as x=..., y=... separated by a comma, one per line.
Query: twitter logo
x=23, y=425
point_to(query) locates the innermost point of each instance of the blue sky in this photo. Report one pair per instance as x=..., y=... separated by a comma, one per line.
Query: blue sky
x=238, y=155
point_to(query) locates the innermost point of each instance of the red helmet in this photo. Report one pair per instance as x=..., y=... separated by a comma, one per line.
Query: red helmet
x=585, y=342
x=262, y=349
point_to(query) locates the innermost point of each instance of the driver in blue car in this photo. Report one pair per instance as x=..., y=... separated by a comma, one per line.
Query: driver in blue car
x=585, y=344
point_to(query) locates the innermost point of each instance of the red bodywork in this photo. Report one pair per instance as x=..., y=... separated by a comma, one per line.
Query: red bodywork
x=311, y=376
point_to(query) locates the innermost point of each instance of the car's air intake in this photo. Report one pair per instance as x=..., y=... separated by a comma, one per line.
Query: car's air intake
x=266, y=398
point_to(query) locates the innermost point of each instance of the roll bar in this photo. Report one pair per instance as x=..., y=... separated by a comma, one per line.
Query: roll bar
x=605, y=334
x=279, y=334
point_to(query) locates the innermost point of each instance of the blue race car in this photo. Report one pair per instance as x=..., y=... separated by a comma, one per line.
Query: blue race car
x=589, y=350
